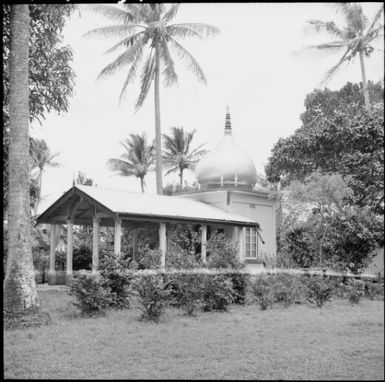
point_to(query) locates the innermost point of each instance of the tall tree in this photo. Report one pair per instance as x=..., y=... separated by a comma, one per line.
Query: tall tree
x=354, y=38
x=348, y=143
x=51, y=78
x=147, y=32
x=19, y=285
x=43, y=158
x=177, y=153
x=137, y=160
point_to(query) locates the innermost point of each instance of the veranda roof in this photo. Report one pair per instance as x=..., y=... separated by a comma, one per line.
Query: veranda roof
x=81, y=203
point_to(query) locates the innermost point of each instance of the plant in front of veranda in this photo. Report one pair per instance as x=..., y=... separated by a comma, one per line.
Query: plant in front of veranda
x=183, y=248
x=218, y=292
x=222, y=253
x=355, y=291
x=113, y=268
x=92, y=295
x=186, y=291
x=374, y=290
x=287, y=288
x=262, y=291
x=148, y=258
x=153, y=297
x=318, y=290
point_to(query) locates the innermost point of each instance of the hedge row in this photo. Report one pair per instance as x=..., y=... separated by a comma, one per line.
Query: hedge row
x=208, y=290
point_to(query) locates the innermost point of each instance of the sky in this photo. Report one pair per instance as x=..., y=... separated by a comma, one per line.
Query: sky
x=256, y=66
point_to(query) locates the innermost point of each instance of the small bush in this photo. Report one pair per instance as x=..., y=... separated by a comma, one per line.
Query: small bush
x=287, y=288
x=262, y=291
x=218, y=292
x=240, y=284
x=153, y=296
x=373, y=290
x=91, y=292
x=223, y=253
x=148, y=258
x=28, y=318
x=355, y=289
x=113, y=268
x=318, y=290
x=186, y=291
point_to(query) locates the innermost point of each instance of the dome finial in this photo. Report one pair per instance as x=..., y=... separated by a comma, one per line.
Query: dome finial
x=228, y=122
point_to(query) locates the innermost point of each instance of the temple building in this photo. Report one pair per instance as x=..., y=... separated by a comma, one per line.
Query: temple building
x=226, y=201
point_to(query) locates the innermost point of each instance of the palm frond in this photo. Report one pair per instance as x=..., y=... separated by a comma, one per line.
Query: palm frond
x=204, y=30
x=376, y=18
x=328, y=26
x=131, y=74
x=127, y=42
x=192, y=64
x=125, y=58
x=121, y=166
x=333, y=70
x=182, y=32
x=171, y=13
x=112, y=30
x=146, y=78
x=170, y=76
x=112, y=12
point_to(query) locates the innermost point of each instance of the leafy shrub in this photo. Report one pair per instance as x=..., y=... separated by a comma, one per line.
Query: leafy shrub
x=355, y=290
x=148, y=258
x=240, y=283
x=113, y=268
x=287, y=288
x=82, y=257
x=31, y=317
x=153, y=296
x=91, y=292
x=186, y=291
x=183, y=251
x=318, y=290
x=374, y=290
x=218, y=292
x=262, y=291
x=223, y=253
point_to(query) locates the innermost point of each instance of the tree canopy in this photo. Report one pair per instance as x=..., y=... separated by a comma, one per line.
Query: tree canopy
x=177, y=153
x=51, y=78
x=345, y=142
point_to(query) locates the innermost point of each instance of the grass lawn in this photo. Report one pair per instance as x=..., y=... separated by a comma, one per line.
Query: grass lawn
x=339, y=341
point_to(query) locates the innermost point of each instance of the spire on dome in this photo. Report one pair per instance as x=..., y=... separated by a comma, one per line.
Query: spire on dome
x=228, y=122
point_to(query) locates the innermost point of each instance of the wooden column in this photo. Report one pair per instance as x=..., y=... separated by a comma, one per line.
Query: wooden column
x=204, y=243
x=235, y=238
x=118, y=236
x=69, y=251
x=52, y=247
x=242, y=244
x=162, y=243
x=95, y=245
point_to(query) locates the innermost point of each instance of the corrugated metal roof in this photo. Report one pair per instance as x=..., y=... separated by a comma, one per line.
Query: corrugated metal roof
x=132, y=203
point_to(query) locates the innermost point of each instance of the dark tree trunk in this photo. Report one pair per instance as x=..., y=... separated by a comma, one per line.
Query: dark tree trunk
x=19, y=285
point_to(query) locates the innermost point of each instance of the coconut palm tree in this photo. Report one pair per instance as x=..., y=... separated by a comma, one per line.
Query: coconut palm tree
x=355, y=37
x=43, y=158
x=137, y=160
x=177, y=154
x=146, y=31
x=19, y=285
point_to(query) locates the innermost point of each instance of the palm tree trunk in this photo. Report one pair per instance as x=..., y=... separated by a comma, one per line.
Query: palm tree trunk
x=181, y=179
x=158, y=136
x=364, y=83
x=142, y=184
x=19, y=285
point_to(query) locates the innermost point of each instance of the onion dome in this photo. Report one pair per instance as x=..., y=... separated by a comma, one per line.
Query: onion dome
x=226, y=164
